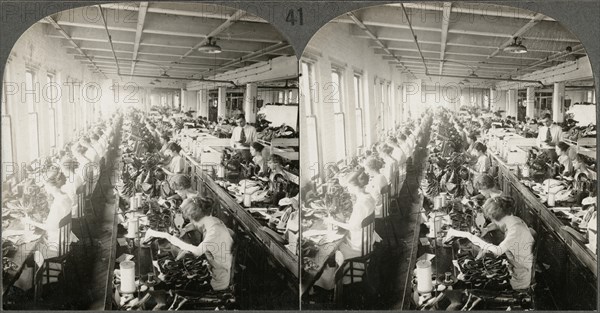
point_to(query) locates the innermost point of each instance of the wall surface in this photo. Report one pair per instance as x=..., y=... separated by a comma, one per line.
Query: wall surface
x=76, y=101
x=333, y=46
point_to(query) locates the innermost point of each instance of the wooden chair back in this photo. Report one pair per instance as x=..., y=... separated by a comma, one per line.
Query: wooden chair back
x=368, y=228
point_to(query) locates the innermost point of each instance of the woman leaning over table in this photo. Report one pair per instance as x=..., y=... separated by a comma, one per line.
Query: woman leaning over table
x=483, y=161
x=177, y=163
x=182, y=185
x=517, y=244
x=60, y=207
x=216, y=240
x=376, y=182
x=390, y=164
x=351, y=247
x=363, y=207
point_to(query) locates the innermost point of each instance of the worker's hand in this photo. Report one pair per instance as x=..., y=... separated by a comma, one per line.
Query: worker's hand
x=156, y=234
x=481, y=253
x=26, y=220
x=329, y=220
x=181, y=254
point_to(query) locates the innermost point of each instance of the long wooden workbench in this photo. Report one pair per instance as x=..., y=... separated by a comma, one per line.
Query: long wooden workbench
x=278, y=252
x=571, y=266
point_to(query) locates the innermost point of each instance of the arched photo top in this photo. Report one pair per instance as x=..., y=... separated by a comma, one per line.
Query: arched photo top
x=148, y=39
x=429, y=39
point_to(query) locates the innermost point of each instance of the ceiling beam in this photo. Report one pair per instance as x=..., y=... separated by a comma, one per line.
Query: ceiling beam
x=378, y=18
x=250, y=56
x=112, y=48
x=372, y=36
x=232, y=19
x=534, y=21
x=52, y=22
x=475, y=9
x=143, y=9
x=201, y=14
x=445, y=23
x=181, y=27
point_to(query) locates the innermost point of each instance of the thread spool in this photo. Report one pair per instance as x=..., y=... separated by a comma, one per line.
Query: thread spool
x=128, y=277
x=139, y=198
x=437, y=202
x=424, y=272
x=551, y=199
x=247, y=200
x=132, y=203
x=220, y=171
x=132, y=228
x=444, y=197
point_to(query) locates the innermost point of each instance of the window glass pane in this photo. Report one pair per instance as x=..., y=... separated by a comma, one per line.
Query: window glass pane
x=357, y=91
x=313, y=147
x=29, y=96
x=336, y=91
x=7, y=146
x=359, y=128
x=340, y=137
x=4, y=96
x=34, y=147
x=307, y=98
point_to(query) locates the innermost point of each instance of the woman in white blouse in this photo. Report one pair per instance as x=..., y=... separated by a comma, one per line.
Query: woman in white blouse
x=376, y=182
x=177, y=163
x=390, y=168
x=517, y=244
x=216, y=240
x=362, y=208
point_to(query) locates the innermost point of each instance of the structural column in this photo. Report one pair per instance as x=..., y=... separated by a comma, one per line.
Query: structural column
x=182, y=100
x=221, y=102
x=202, y=104
x=558, y=97
x=513, y=109
x=530, y=102
x=250, y=102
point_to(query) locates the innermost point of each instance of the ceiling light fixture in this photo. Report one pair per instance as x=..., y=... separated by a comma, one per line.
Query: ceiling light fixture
x=210, y=47
x=516, y=46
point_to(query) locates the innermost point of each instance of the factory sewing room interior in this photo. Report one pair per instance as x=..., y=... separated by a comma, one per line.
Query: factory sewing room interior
x=417, y=156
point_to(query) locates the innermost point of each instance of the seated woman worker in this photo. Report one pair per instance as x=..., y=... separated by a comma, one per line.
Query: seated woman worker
x=216, y=240
x=517, y=244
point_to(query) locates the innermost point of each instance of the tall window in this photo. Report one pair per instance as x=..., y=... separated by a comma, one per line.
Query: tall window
x=51, y=93
x=382, y=106
x=358, y=93
x=7, y=146
x=30, y=99
x=336, y=90
x=307, y=80
x=388, y=114
x=335, y=97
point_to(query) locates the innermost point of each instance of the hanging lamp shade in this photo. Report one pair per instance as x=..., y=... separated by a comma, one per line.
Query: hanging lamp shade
x=210, y=47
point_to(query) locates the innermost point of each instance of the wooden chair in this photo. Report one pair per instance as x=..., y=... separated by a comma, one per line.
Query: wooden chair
x=533, y=283
x=81, y=220
x=385, y=211
x=89, y=193
x=349, y=267
x=64, y=252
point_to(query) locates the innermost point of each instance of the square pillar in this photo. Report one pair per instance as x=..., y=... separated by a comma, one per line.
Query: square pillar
x=558, y=97
x=530, y=103
x=202, y=104
x=221, y=102
x=250, y=102
x=512, y=109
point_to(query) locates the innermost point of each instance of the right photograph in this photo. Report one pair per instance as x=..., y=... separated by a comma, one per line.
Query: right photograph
x=447, y=161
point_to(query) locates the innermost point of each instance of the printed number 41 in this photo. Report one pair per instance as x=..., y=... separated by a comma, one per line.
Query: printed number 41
x=291, y=17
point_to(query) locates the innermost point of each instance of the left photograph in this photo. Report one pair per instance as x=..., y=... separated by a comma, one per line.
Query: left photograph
x=150, y=161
